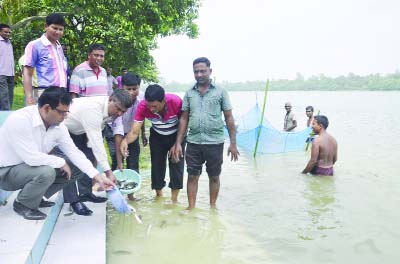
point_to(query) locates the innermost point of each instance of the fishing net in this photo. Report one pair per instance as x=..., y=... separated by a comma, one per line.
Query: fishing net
x=271, y=140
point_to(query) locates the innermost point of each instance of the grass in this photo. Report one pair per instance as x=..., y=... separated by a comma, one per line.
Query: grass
x=144, y=158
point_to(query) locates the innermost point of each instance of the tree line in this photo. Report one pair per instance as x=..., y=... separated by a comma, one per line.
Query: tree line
x=129, y=29
x=372, y=82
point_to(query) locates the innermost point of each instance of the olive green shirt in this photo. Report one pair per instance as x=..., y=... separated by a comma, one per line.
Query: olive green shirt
x=205, y=114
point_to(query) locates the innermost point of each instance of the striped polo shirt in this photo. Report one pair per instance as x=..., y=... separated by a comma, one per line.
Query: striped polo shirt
x=85, y=82
x=164, y=125
x=49, y=61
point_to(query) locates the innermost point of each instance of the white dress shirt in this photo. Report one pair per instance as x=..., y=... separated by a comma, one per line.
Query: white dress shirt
x=89, y=115
x=24, y=139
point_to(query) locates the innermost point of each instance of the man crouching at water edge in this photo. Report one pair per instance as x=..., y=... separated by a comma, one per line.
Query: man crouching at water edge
x=28, y=136
x=324, y=149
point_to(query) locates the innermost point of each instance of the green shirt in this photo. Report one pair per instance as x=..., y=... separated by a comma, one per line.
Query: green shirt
x=205, y=114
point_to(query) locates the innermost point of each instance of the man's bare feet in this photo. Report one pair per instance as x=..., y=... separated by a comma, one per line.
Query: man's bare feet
x=132, y=197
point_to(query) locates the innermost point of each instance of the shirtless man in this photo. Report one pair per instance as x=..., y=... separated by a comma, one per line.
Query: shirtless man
x=310, y=115
x=323, y=150
x=290, y=122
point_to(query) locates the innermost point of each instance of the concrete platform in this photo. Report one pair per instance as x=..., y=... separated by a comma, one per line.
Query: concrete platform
x=24, y=241
x=78, y=239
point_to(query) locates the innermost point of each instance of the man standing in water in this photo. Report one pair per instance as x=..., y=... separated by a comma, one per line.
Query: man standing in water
x=290, y=122
x=201, y=112
x=323, y=150
x=310, y=115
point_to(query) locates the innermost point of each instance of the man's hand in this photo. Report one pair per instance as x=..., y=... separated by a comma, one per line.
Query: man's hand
x=30, y=100
x=120, y=166
x=233, y=151
x=124, y=148
x=110, y=175
x=104, y=182
x=66, y=171
x=177, y=153
x=144, y=141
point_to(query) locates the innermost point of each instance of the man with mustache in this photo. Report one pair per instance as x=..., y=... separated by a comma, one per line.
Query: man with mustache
x=89, y=78
x=27, y=160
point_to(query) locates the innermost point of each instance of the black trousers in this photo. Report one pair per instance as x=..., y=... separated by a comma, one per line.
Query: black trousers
x=159, y=148
x=84, y=183
x=132, y=161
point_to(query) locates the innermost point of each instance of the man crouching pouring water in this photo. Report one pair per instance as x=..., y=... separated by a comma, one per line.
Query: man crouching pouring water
x=324, y=149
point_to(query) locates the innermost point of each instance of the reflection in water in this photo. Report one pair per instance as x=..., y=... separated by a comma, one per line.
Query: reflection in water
x=319, y=192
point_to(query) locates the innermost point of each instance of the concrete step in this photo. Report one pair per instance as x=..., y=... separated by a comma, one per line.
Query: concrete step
x=24, y=241
x=78, y=239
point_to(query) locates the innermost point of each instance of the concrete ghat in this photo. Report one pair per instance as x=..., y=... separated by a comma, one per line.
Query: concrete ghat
x=78, y=239
x=24, y=241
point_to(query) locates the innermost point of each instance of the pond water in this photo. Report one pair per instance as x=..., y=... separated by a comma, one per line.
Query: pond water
x=268, y=212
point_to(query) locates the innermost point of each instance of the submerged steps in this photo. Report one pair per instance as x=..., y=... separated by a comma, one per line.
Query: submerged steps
x=78, y=239
x=24, y=241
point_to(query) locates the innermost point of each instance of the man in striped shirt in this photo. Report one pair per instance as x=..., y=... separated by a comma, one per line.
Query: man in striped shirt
x=47, y=57
x=89, y=78
x=163, y=111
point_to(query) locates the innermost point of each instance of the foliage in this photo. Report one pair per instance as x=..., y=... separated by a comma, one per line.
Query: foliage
x=390, y=82
x=128, y=28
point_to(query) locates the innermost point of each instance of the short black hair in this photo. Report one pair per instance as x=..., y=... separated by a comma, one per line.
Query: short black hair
x=56, y=19
x=202, y=60
x=96, y=46
x=54, y=96
x=310, y=108
x=131, y=79
x=322, y=120
x=4, y=26
x=154, y=92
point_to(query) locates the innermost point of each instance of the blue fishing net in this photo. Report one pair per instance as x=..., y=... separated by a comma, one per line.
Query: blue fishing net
x=271, y=140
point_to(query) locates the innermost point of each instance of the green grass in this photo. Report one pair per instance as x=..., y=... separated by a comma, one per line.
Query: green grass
x=144, y=158
x=19, y=100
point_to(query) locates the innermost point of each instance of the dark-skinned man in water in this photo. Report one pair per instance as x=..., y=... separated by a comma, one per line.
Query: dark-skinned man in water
x=323, y=150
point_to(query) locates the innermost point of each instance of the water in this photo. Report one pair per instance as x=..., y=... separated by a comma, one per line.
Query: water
x=268, y=212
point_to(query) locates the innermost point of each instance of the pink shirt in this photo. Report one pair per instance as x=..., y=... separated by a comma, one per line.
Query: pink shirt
x=85, y=82
x=164, y=125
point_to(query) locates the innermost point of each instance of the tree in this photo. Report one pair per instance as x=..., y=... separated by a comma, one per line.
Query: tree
x=128, y=28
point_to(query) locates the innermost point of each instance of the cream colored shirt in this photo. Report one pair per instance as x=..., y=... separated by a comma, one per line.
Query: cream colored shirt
x=89, y=115
x=24, y=139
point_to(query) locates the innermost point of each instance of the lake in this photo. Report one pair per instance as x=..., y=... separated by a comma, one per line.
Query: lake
x=268, y=212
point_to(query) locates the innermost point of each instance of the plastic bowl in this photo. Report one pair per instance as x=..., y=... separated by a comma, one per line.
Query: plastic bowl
x=131, y=176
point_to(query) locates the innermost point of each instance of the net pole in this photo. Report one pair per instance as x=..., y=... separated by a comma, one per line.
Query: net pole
x=262, y=118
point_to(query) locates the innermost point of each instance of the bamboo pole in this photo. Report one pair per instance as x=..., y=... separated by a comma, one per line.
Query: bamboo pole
x=262, y=118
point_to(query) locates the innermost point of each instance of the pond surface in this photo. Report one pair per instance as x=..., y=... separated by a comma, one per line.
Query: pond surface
x=268, y=212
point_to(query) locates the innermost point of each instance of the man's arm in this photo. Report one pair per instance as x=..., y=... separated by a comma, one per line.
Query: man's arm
x=130, y=137
x=27, y=71
x=144, y=138
x=314, y=157
x=335, y=154
x=183, y=123
x=293, y=126
x=117, y=141
x=230, y=124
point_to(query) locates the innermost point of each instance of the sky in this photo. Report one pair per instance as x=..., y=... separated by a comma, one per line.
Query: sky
x=258, y=39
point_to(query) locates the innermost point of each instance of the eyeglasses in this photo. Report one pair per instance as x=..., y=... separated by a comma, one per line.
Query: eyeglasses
x=308, y=111
x=62, y=112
